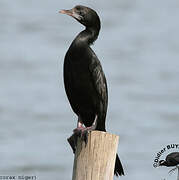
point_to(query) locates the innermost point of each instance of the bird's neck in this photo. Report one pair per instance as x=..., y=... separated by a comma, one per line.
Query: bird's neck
x=89, y=35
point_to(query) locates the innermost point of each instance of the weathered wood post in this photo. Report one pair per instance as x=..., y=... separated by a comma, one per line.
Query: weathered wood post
x=96, y=160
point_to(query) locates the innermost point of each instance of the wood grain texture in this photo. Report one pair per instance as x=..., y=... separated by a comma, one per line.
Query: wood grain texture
x=96, y=160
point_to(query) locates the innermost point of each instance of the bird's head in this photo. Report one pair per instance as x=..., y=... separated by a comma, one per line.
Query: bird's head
x=162, y=163
x=85, y=15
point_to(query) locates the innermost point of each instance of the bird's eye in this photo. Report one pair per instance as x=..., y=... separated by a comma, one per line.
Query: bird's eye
x=81, y=13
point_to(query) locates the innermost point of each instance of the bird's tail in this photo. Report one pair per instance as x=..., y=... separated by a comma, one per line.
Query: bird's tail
x=118, y=169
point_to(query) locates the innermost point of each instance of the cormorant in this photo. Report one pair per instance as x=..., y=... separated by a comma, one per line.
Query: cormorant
x=171, y=159
x=84, y=79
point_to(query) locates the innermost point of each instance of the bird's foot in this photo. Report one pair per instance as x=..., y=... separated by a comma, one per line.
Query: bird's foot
x=83, y=132
x=172, y=170
x=80, y=132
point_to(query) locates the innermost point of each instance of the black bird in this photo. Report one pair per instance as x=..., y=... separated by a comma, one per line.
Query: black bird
x=172, y=159
x=84, y=79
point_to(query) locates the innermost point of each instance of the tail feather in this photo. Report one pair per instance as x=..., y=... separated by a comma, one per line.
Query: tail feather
x=118, y=170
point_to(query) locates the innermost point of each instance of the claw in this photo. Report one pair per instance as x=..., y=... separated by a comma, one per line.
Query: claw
x=84, y=136
x=78, y=131
x=81, y=132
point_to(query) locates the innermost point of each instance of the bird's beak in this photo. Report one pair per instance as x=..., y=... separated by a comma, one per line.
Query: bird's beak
x=68, y=12
x=72, y=13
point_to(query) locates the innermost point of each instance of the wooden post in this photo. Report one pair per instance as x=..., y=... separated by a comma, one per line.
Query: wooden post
x=95, y=160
